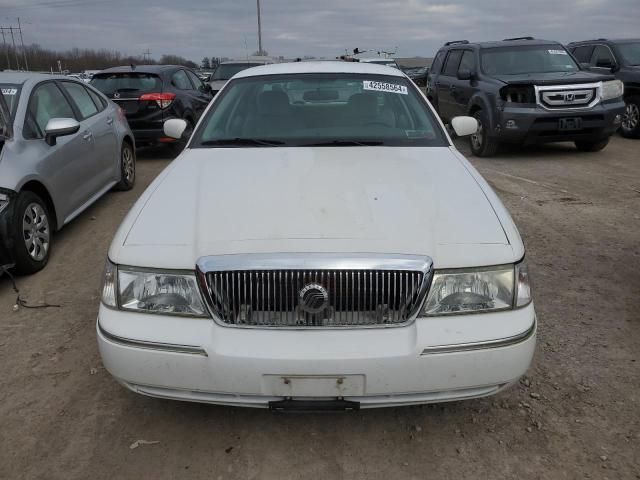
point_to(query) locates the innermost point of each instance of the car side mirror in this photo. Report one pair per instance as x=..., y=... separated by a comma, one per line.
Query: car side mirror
x=174, y=128
x=60, y=127
x=465, y=75
x=464, y=126
x=206, y=88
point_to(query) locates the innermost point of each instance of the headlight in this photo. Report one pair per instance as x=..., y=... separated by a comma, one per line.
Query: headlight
x=151, y=291
x=612, y=89
x=4, y=201
x=475, y=290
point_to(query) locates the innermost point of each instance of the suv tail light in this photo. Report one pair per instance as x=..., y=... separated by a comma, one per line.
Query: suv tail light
x=162, y=99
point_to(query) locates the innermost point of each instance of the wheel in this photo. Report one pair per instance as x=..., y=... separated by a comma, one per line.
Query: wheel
x=587, y=146
x=127, y=168
x=481, y=144
x=31, y=233
x=631, y=121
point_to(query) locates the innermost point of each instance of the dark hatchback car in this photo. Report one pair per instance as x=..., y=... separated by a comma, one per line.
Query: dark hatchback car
x=524, y=91
x=153, y=94
x=622, y=59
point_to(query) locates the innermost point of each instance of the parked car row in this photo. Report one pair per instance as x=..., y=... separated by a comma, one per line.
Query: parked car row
x=523, y=91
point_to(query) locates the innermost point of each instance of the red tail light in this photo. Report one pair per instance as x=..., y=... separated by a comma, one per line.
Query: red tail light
x=162, y=99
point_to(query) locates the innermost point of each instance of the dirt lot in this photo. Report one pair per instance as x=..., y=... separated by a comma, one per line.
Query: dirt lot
x=576, y=414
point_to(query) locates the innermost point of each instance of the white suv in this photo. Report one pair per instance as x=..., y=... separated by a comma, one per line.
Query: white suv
x=320, y=243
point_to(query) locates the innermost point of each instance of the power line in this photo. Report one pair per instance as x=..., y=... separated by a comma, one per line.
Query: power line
x=57, y=4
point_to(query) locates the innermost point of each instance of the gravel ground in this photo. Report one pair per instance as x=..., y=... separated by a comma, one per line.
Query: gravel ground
x=575, y=415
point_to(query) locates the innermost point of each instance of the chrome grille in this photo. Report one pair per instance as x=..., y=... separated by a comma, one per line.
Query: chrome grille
x=568, y=97
x=315, y=297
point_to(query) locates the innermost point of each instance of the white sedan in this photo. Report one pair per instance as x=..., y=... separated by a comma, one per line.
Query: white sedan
x=319, y=244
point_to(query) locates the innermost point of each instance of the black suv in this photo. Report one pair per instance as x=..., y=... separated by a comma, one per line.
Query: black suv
x=524, y=91
x=152, y=94
x=622, y=58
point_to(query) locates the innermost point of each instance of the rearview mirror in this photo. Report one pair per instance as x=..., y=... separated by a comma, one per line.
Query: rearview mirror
x=464, y=126
x=60, y=127
x=175, y=127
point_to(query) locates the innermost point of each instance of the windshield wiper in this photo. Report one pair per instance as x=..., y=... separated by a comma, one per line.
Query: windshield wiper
x=243, y=142
x=345, y=143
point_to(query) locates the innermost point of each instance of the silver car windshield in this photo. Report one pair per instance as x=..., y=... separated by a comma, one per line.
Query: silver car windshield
x=320, y=110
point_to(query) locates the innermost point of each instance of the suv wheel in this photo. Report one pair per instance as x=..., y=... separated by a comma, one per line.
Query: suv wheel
x=127, y=168
x=31, y=233
x=481, y=144
x=596, y=146
x=631, y=120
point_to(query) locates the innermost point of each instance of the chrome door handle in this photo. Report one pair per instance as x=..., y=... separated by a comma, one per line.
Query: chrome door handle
x=87, y=135
x=109, y=120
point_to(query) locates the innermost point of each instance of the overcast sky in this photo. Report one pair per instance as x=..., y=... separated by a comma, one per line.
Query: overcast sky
x=199, y=28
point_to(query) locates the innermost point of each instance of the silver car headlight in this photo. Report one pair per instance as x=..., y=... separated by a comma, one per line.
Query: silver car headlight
x=4, y=201
x=612, y=89
x=152, y=291
x=486, y=289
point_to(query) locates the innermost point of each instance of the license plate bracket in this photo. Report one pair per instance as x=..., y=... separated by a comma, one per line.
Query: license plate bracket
x=318, y=386
x=570, y=124
x=337, y=405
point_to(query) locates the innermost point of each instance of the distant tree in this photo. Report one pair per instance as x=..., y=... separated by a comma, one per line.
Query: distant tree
x=258, y=53
x=177, y=60
x=206, y=64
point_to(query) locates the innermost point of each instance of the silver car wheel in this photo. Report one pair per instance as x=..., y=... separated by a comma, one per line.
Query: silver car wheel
x=35, y=231
x=128, y=165
x=476, y=138
x=631, y=117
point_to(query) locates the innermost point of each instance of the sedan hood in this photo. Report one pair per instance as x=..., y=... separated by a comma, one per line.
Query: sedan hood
x=554, y=78
x=389, y=200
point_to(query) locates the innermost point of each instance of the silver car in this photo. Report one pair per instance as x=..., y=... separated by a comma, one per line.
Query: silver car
x=63, y=145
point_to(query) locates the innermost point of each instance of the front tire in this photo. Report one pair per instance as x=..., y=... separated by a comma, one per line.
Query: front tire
x=127, y=168
x=482, y=145
x=631, y=121
x=32, y=231
x=587, y=146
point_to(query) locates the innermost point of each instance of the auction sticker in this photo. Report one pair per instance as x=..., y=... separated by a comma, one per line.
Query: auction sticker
x=557, y=52
x=384, y=87
x=9, y=91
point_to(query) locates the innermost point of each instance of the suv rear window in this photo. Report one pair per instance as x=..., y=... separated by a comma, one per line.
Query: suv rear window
x=126, y=83
x=527, y=59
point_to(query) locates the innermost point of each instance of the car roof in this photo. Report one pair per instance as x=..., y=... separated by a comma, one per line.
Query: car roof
x=606, y=40
x=503, y=43
x=140, y=68
x=19, y=78
x=320, y=67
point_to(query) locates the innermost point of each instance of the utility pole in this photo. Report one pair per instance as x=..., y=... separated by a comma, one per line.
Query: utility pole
x=259, y=31
x=24, y=53
x=15, y=50
x=146, y=54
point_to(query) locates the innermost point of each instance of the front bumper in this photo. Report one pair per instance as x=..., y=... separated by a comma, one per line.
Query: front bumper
x=533, y=124
x=432, y=360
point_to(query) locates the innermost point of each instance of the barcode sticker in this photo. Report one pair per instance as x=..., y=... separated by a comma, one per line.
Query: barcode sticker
x=9, y=91
x=384, y=87
x=557, y=52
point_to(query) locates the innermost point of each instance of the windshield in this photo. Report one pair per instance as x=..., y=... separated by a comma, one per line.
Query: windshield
x=630, y=52
x=320, y=110
x=126, y=82
x=227, y=70
x=527, y=59
x=11, y=94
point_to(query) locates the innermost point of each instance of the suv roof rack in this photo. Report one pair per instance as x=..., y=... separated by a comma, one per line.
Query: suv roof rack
x=517, y=38
x=454, y=42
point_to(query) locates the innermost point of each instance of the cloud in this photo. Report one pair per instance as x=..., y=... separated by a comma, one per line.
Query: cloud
x=199, y=28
